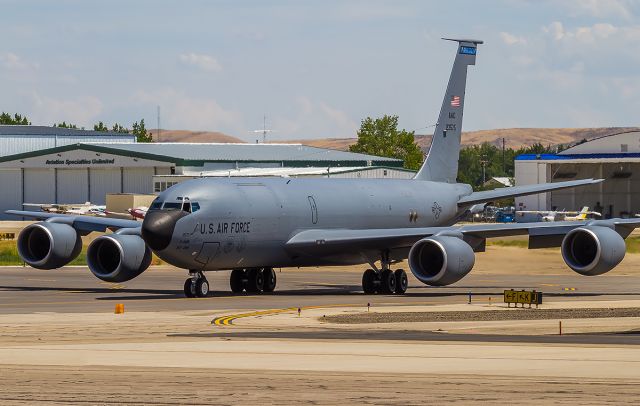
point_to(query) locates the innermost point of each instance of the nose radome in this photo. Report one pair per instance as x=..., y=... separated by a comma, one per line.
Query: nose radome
x=158, y=226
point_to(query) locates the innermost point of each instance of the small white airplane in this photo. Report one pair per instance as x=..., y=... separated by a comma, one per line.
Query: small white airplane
x=70, y=208
x=561, y=215
x=137, y=213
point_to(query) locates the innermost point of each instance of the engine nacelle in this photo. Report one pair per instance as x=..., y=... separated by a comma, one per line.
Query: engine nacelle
x=441, y=260
x=117, y=257
x=592, y=250
x=47, y=245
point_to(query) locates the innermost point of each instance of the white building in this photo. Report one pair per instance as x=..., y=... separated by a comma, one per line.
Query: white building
x=80, y=172
x=17, y=139
x=615, y=158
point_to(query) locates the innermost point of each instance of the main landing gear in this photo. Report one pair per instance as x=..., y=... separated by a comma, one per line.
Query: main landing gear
x=384, y=281
x=253, y=280
x=197, y=285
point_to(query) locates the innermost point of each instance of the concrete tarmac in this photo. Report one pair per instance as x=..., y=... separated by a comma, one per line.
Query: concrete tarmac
x=60, y=341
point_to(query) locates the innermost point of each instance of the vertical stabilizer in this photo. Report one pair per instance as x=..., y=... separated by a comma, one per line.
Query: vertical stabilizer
x=441, y=164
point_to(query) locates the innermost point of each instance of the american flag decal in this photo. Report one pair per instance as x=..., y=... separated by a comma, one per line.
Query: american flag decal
x=455, y=101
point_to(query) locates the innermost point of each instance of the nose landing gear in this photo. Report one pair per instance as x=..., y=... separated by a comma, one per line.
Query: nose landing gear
x=197, y=285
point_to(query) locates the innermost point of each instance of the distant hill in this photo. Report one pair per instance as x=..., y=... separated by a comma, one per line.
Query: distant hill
x=193, y=136
x=514, y=137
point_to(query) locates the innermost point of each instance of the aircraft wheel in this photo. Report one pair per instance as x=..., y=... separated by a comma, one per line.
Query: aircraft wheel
x=236, y=281
x=202, y=287
x=255, y=280
x=189, y=288
x=269, y=280
x=401, y=281
x=387, y=282
x=369, y=282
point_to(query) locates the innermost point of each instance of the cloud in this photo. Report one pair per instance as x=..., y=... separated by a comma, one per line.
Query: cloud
x=181, y=111
x=315, y=118
x=589, y=34
x=14, y=62
x=600, y=8
x=511, y=39
x=205, y=62
x=82, y=111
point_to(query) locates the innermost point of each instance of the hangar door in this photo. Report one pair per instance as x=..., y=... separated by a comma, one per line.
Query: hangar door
x=11, y=197
x=103, y=181
x=39, y=186
x=73, y=186
x=138, y=180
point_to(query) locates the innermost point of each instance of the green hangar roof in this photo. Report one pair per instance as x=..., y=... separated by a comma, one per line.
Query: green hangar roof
x=194, y=154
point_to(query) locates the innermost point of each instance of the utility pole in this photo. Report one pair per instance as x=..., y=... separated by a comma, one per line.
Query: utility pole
x=158, y=123
x=484, y=162
x=504, y=165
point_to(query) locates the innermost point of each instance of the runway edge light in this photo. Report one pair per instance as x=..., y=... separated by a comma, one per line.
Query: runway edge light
x=119, y=308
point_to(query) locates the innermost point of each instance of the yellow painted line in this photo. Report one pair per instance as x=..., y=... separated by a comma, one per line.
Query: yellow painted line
x=549, y=284
x=228, y=320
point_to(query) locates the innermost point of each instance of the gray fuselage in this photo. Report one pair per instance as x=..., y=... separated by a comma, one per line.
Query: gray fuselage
x=246, y=222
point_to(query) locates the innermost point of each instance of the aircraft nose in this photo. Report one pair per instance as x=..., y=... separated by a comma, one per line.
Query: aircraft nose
x=158, y=226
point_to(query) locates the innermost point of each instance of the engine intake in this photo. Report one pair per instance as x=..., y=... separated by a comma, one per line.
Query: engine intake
x=118, y=258
x=592, y=250
x=47, y=245
x=441, y=260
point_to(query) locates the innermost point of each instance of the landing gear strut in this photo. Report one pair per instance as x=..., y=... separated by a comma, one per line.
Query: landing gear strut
x=384, y=281
x=253, y=280
x=197, y=285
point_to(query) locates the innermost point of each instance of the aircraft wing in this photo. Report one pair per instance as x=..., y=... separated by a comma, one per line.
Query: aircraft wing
x=541, y=235
x=79, y=222
x=506, y=192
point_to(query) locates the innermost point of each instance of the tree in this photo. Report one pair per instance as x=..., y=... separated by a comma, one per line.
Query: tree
x=141, y=133
x=100, y=127
x=381, y=137
x=64, y=124
x=117, y=128
x=17, y=119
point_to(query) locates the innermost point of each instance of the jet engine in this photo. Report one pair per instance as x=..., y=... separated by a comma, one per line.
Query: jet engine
x=592, y=250
x=441, y=260
x=46, y=245
x=118, y=257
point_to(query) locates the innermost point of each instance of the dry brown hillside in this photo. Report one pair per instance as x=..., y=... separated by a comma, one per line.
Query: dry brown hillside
x=514, y=137
x=192, y=136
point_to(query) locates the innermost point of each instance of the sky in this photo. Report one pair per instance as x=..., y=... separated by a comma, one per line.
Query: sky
x=317, y=68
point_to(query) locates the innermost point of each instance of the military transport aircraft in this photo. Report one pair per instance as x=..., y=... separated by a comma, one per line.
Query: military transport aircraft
x=251, y=225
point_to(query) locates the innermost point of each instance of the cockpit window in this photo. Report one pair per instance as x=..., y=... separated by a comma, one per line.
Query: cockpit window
x=195, y=206
x=172, y=206
x=156, y=205
x=186, y=206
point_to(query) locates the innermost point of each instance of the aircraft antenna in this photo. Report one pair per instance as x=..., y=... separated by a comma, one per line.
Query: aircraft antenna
x=264, y=130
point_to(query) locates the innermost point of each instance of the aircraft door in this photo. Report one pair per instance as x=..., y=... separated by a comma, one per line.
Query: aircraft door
x=208, y=252
x=314, y=210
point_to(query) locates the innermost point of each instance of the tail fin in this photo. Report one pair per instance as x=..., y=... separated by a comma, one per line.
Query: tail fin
x=583, y=213
x=441, y=164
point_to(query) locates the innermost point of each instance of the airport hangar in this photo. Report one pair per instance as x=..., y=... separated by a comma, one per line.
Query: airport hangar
x=52, y=165
x=615, y=158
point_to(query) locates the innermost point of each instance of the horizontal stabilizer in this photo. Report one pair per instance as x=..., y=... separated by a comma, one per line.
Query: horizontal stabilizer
x=503, y=193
